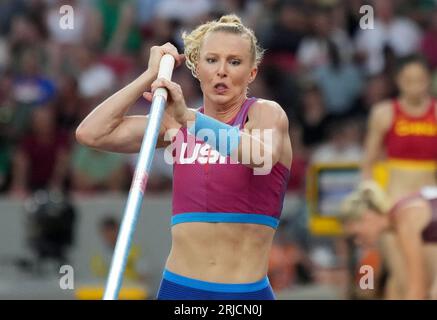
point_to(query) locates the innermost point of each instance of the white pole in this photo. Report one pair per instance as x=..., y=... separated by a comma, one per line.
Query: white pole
x=138, y=186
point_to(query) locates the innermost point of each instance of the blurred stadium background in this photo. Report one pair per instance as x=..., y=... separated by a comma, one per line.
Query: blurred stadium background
x=60, y=202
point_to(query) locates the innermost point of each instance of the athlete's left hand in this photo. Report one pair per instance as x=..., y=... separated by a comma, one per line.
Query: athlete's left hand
x=176, y=105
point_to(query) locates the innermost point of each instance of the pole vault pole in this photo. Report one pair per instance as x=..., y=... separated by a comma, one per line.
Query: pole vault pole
x=139, y=183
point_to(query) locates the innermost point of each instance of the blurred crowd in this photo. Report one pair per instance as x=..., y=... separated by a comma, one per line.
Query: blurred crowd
x=322, y=67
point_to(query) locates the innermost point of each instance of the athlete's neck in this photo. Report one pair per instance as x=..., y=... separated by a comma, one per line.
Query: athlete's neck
x=223, y=112
x=415, y=102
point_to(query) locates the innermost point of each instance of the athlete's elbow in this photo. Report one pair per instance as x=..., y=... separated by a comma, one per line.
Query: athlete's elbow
x=86, y=137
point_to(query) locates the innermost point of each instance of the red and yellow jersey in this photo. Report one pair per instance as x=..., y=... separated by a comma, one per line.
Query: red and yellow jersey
x=412, y=139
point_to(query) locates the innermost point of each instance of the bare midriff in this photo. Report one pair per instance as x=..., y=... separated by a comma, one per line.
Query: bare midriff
x=220, y=252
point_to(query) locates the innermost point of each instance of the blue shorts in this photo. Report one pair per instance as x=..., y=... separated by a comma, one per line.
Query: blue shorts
x=176, y=287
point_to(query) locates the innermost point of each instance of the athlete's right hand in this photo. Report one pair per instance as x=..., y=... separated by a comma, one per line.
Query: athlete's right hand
x=156, y=53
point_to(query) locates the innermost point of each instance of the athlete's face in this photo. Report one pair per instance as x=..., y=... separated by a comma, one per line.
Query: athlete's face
x=225, y=67
x=367, y=229
x=414, y=81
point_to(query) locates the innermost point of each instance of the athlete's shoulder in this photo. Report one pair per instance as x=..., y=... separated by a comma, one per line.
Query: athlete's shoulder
x=270, y=108
x=385, y=106
x=382, y=113
x=267, y=113
x=267, y=104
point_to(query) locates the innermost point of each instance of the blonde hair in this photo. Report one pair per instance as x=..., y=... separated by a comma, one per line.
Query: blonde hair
x=369, y=195
x=228, y=23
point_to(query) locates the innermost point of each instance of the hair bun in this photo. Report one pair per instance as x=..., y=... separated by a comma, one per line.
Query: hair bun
x=230, y=18
x=371, y=191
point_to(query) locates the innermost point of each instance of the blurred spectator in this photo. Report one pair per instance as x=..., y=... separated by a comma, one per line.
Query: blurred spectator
x=7, y=129
x=339, y=17
x=100, y=263
x=282, y=263
x=95, y=79
x=284, y=35
x=352, y=15
x=167, y=31
x=4, y=54
x=170, y=20
x=68, y=104
x=32, y=86
x=121, y=34
x=328, y=260
x=282, y=87
x=390, y=62
x=378, y=88
x=419, y=10
x=145, y=11
x=340, y=82
x=7, y=104
x=259, y=15
x=24, y=34
x=5, y=164
x=389, y=30
x=8, y=9
x=97, y=171
x=300, y=161
x=87, y=31
x=369, y=256
x=289, y=264
x=313, y=117
x=260, y=88
x=35, y=11
x=343, y=145
x=87, y=26
x=50, y=224
x=185, y=11
x=239, y=7
x=429, y=42
x=41, y=160
x=314, y=49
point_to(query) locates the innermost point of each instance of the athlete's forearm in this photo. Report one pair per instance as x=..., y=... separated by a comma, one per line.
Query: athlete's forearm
x=109, y=114
x=371, y=156
x=253, y=148
x=366, y=169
